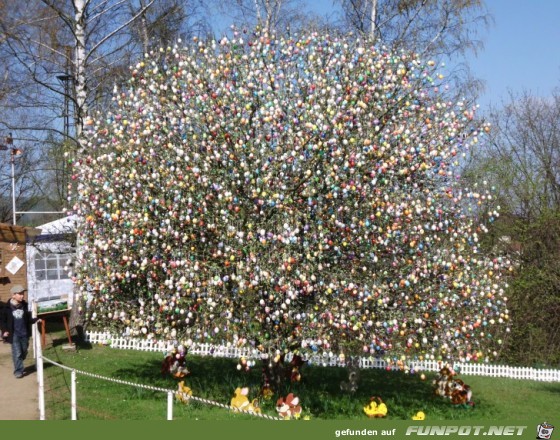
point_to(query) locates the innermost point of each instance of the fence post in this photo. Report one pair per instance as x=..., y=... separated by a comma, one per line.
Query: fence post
x=73, y=415
x=34, y=328
x=170, y=405
x=40, y=377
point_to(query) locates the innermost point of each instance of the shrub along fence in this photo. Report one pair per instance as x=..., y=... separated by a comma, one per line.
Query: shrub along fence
x=328, y=358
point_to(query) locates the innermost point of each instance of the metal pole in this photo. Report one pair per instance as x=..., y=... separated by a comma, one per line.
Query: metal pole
x=40, y=375
x=34, y=328
x=74, y=415
x=170, y=405
x=13, y=187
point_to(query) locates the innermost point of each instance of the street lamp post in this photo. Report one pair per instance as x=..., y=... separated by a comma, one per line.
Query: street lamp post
x=13, y=153
x=8, y=145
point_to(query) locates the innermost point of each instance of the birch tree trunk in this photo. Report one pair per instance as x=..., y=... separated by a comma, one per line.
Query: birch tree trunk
x=80, y=68
x=373, y=18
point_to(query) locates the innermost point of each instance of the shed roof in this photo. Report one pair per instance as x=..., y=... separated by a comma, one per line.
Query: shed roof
x=65, y=225
x=57, y=236
x=16, y=234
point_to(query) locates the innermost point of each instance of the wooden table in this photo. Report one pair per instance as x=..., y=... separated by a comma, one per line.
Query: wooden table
x=54, y=314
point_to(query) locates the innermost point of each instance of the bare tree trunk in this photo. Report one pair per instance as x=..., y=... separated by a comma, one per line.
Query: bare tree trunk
x=373, y=18
x=144, y=29
x=76, y=318
x=80, y=68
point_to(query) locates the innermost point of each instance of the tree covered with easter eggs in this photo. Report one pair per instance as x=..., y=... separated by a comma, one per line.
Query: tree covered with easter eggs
x=295, y=193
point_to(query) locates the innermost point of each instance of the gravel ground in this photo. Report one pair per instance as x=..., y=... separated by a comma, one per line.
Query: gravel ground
x=18, y=396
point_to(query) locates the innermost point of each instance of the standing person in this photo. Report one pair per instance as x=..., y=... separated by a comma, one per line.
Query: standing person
x=2, y=307
x=16, y=327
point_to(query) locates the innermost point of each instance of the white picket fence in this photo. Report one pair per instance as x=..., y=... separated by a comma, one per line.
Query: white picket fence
x=326, y=359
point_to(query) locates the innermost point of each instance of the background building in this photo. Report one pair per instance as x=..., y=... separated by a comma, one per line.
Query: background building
x=13, y=261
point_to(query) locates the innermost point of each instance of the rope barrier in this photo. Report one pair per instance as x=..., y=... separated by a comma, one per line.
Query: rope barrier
x=109, y=379
x=163, y=390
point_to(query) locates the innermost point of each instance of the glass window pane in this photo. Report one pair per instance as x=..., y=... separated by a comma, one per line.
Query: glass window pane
x=40, y=275
x=52, y=274
x=40, y=263
x=52, y=263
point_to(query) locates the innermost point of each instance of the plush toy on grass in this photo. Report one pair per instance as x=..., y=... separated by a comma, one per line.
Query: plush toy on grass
x=351, y=385
x=419, y=416
x=175, y=363
x=444, y=381
x=184, y=393
x=266, y=391
x=240, y=401
x=376, y=408
x=461, y=394
x=289, y=407
x=453, y=388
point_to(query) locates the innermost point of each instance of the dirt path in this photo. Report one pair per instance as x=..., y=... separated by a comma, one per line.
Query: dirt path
x=18, y=397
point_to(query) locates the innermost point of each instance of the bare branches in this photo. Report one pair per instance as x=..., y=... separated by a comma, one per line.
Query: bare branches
x=270, y=14
x=117, y=30
x=435, y=27
x=524, y=154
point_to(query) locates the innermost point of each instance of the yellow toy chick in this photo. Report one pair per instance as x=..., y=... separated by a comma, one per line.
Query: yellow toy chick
x=419, y=416
x=184, y=392
x=376, y=408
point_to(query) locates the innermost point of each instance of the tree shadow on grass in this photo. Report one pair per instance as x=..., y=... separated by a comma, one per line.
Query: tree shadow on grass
x=207, y=374
x=548, y=387
x=319, y=389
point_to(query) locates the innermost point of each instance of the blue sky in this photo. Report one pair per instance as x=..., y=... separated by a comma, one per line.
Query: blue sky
x=521, y=49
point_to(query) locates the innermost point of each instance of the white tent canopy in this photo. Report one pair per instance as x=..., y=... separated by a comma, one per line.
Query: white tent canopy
x=66, y=225
x=50, y=262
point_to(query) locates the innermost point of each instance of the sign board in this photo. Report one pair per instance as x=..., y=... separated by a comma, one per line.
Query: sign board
x=14, y=265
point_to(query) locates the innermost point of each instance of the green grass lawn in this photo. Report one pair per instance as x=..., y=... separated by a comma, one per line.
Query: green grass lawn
x=319, y=390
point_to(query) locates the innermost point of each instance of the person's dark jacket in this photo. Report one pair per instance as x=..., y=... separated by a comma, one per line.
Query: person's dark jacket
x=2, y=310
x=7, y=320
